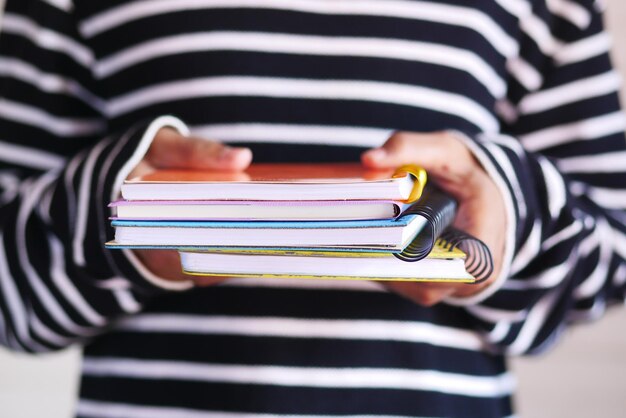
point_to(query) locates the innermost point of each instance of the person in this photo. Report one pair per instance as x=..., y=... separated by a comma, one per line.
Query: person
x=510, y=105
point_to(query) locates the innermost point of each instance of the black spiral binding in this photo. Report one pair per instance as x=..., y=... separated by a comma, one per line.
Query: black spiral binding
x=478, y=262
x=439, y=210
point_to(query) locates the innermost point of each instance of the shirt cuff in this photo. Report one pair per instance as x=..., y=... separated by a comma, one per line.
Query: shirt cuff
x=140, y=151
x=481, y=154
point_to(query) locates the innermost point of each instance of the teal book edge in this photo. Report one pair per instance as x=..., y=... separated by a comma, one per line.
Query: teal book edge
x=401, y=221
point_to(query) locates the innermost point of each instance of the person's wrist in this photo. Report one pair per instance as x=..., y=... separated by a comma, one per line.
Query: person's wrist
x=484, y=290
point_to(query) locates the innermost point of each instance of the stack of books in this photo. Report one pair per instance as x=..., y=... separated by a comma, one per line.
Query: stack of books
x=332, y=221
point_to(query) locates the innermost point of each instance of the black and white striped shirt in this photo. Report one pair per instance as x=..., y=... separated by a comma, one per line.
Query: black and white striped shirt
x=85, y=84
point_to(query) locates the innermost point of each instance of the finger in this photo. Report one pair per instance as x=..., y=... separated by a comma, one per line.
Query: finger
x=446, y=159
x=407, y=147
x=166, y=264
x=141, y=169
x=425, y=294
x=172, y=150
x=203, y=281
x=163, y=263
x=438, y=153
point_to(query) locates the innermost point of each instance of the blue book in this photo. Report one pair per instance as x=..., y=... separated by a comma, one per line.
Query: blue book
x=387, y=234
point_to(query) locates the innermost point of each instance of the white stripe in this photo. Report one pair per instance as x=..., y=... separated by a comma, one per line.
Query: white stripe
x=60, y=126
x=84, y=198
x=98, y=409
x=495, y=315
x=619, y=242
x=30, y=198
x=499, y=332
x=610, y=162
x=126, y=301
x=577, y=188
x=573, y=12
x=555, y=187
x=43, y=209
x=525, y=73
x=548, y=278
x=29, y=157
x=66, y=287
x=576, y=91
x=508, y=141
x=316, y=377
x=532, y=25
x=65, y=5
x=429, y=11
x=48, y=82
x=294, y=134
x=535, y=320
x=431, y=53
x=529, y=250
x=376, y=330
x=13, y=303
x=619, y=279
x=47, y=334
x=591, y=128
x=509, y=172
x=564, y=234
x=143, y=146
x=590, y=243
x=592, y=284
x=394, y=93
x=507, y=111
x=9, y=186
x=46, y=38
x=584, y=49
x=608, y=198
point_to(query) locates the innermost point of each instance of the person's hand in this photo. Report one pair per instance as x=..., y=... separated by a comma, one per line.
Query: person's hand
x=451, y=165
x=172, y=150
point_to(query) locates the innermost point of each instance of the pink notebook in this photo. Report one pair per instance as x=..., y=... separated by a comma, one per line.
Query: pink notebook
x=252, y=210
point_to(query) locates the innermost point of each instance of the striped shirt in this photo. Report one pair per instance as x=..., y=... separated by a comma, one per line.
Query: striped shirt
x=84, y=85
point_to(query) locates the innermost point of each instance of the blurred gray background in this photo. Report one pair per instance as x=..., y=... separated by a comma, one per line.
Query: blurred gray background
x=585, y=376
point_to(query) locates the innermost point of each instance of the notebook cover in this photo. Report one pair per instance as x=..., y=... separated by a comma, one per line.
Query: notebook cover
x=399, y=222
x=272, y=173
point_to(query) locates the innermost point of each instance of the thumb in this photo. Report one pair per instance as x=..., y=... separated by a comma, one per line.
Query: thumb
x=429, y=150
x=439, y=153
x=444, y=157
x=173, y=150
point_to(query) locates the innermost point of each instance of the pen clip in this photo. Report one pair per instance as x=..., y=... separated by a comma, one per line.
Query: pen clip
x=419, y=174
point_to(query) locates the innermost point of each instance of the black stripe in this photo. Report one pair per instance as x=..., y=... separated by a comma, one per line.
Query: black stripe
x=292, y=352
x=289, y=400
x=300, y=111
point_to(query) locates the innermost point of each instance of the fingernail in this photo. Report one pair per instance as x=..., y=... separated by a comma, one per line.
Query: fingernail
x=236, y=155
x=226, y=153
x=377, y=154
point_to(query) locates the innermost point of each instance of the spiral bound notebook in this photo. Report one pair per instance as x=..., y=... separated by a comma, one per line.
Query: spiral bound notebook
x=386, y=234
x=439, y=253
x=443, y=264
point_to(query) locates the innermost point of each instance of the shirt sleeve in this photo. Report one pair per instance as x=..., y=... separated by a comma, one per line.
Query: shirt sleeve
x=561, y=166
x=59, y=168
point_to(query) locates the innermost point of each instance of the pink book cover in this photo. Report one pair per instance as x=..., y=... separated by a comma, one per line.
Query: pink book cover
x=398, y=206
